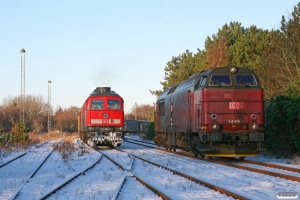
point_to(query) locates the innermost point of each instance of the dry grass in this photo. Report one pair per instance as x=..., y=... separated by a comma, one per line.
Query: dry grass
x=66, y=148
x=41, y=137
x=35, y=138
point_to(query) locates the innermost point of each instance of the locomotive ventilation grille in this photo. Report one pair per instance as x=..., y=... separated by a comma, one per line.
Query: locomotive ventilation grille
x=105, y=121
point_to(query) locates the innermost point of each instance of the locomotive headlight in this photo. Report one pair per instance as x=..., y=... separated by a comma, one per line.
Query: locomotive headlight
x=254, y=126
x=233, y=70
x=215, y=127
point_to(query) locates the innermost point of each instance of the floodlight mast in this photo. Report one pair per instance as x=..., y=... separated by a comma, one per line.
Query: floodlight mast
x=49, y=106
x=22, y=98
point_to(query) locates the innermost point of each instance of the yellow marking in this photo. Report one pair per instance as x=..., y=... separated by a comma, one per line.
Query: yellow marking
x=231, y=155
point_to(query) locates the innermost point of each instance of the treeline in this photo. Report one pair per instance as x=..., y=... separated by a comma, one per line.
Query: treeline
x=274, y=55
x=140, y=112
x=36, y=110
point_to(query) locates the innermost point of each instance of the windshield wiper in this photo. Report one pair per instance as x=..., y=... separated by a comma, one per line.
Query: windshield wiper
x=246, y=84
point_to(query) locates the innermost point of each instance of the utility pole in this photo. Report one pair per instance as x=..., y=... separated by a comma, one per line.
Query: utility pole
x=49, y=106
x=22, y=98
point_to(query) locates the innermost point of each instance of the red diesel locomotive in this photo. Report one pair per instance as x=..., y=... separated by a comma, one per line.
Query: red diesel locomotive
x=101, y=118
x=218, y=112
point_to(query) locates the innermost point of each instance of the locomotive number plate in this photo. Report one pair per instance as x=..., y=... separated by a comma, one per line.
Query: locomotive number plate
x=236, y=105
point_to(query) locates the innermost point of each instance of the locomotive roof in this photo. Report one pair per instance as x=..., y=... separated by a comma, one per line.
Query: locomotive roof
x=193, y=79
x=103, y=91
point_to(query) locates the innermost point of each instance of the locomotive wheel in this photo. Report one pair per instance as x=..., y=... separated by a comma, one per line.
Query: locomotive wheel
x=195, y=153
x=174, y=149
x=201, y=155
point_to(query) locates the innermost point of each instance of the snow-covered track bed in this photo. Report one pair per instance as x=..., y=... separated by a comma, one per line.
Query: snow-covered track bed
x=172, y=184
x=131, y=186
x=292, y=169
x=56, y=190
x=102, y=180
x=9, y=159
x=31, y=162
x=61, y=168
x=289, y=173
x=245, y=183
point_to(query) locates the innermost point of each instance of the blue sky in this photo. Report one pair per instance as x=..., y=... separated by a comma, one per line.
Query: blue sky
x=125, y=45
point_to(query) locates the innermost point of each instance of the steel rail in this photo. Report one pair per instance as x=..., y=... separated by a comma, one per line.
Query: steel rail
x=19, y=156
x=45, y=196
x=208, y=185
x=272, y=165
x=155, y=190
x=293, y=178
x=33, y=173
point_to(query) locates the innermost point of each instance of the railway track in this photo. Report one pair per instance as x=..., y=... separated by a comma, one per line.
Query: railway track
x=21, y=178
x=269, y=168
x=21, y=154
x=46, y=189
x=250, y=182
x=131, y=174
x=104, y=164
x=163, y=191
x=40, y=182
x=69, y=180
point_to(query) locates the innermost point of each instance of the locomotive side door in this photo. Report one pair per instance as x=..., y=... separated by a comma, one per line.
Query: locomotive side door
x=198, y=102
x=197, y=116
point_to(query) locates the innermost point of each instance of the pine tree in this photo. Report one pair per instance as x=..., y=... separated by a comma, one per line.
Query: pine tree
x=20, y=132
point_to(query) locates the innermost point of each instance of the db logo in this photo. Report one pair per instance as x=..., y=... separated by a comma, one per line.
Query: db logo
x=234, y=105
x=105, y=121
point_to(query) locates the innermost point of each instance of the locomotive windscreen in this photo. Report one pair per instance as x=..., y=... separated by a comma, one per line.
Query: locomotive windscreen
x=245, y=79
x=220, y=80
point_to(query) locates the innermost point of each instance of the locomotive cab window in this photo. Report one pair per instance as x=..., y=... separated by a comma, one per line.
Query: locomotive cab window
x=97, y=104
x=114, y=104
x=245, y=80
x=203, y=81
x=220, y=80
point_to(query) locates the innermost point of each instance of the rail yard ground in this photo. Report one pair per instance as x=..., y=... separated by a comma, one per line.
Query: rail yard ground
x=64, y=158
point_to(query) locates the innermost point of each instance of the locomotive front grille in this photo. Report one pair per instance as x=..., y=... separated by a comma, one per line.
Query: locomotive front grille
x=257, y=137
x=215, y=137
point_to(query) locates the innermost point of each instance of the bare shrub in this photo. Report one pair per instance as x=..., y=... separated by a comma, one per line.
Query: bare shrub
x=59, y=174
x=295, y=160
x=186, y=185
x=107, y=176
x=67, y=149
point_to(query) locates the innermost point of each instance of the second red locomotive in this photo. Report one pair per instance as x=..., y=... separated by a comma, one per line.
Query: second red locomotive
x=101, y=118
x=218, y=112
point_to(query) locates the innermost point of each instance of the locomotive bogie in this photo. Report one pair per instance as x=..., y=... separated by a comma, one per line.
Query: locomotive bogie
x=212, y=111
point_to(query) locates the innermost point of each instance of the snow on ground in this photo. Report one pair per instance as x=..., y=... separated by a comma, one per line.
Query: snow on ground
x=295, y=163
x=102, y=181
x=56, y=169
x=245, y=183
x=12, y=176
